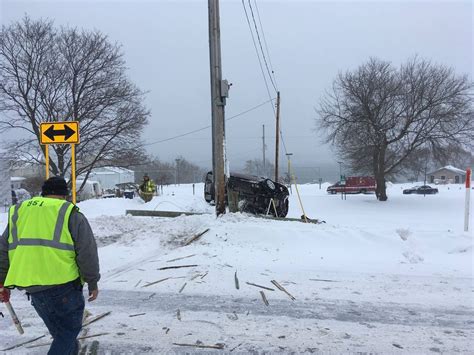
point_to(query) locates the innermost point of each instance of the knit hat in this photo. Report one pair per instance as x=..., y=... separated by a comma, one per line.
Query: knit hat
x=55, y=185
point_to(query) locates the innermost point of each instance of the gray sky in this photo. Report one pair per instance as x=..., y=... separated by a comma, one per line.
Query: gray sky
x=166, y=48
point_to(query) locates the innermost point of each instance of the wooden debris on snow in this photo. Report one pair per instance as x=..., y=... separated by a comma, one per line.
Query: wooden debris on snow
x=178, y=314
x=181, y=258
x=264, y=298
x=155, y=282
x=80, y=338
x=24, y=343
x=175, y=267
x=264, y=287
x=195, y=237
x=218, y=346
x=95, y=319
x=136, y=315
x=138, y=283
x=281, y=288
x=203, y=276
x=323, y=280
x=182, y=288
x=237, y=286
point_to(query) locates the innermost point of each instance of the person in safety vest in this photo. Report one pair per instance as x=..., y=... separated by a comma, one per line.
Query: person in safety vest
x=147, y=188
x=48, y=249
x=147, y=184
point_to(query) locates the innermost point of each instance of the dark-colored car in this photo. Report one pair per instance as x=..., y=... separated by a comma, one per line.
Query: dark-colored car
x=421, y=190
x=253, y=194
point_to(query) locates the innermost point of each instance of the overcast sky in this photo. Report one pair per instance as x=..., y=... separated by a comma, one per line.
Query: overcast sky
x=166, y=49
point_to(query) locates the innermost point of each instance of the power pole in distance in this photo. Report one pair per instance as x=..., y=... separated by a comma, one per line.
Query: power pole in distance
x=263, y=149
x=277, y=143
x=219, y=93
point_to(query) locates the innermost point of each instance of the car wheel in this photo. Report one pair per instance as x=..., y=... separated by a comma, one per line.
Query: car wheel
x=269, y=185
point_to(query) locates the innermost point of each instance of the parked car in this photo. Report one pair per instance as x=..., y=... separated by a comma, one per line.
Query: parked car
x=253, y=194
x=20, y=195
x=354, y=185
x=421, y=190
x=126, y=189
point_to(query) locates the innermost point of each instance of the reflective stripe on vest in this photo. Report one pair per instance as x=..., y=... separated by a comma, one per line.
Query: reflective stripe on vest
x=55, y=243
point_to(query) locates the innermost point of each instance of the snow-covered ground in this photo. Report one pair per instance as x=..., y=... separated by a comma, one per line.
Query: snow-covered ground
x=393, y=277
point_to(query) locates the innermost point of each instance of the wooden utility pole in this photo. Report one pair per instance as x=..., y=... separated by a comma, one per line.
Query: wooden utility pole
x=277, y=143
x=219, y=93
x=263, y=150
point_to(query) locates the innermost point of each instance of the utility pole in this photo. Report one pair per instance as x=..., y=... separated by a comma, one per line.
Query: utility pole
x=263, y=149
x=219, y=93
x=288, y=155
x=277, y=143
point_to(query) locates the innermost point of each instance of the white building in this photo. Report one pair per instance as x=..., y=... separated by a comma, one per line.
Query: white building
x=110, y=176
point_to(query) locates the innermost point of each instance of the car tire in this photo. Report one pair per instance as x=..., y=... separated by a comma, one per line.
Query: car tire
x=269, y=185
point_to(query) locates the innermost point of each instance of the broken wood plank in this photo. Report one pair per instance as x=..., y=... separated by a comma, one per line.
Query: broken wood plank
x=183, y=257
x=264, y=287
x=80, y=338
x=237, y=286
x=170, y=214
x=196, y=237
x=323, y=280
x=95, y=319
x=136, y=315
x=182, y=288
x=24, y=343
x=202, y=346
x=155, y=282
x=264, y=298
x=138, y=283
x=176, y=267
x=195, y=277
x=281, y=288
x=178, y=314
x=203, y=276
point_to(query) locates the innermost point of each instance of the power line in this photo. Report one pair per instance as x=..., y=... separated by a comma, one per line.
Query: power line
x=204, y=128
x=260, y=62
x=258, y=56
x=260, y=43
x=265, y=42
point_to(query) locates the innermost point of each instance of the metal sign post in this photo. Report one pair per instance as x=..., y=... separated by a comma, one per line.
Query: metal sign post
x=66, y=132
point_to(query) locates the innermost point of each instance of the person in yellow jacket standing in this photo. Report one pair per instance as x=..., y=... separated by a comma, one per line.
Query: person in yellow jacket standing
x=48, y=249
x=147, y=188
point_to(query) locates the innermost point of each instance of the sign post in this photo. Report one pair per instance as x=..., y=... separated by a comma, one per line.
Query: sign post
x=66, y=132
x=467, y=200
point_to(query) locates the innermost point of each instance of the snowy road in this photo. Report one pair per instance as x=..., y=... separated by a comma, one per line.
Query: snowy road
x=246, y=325
x=285, y=326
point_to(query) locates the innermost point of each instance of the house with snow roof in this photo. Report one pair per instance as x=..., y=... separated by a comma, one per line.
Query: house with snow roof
x=109, y=176
x=447, y=175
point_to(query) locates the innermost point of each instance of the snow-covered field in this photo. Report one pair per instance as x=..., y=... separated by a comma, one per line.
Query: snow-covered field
x=393, y=277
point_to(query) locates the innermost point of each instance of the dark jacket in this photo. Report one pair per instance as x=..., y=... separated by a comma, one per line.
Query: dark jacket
x=84, y=244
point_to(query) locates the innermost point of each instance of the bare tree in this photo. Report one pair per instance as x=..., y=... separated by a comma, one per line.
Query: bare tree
x=49, y=74
x=378, y=115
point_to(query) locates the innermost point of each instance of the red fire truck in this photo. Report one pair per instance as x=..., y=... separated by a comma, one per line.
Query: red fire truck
x=354, y=185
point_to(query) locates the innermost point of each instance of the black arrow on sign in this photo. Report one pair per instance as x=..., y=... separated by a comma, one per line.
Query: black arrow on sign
x=67, y=132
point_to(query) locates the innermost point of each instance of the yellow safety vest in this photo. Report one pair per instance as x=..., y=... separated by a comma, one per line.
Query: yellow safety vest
x=40, y=246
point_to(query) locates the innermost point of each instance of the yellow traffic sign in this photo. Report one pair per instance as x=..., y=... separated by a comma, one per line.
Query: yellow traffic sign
x=59, y=132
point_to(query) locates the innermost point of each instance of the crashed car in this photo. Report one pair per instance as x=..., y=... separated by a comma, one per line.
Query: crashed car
x=252, y=194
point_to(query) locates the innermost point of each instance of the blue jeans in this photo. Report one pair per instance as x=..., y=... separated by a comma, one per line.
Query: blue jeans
x=61, y=309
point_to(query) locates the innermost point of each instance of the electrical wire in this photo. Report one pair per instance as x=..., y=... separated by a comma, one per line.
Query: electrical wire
x=258, y=56
x=259, y=60
x=204, y=128
x=260, y=44
x=265, y=42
